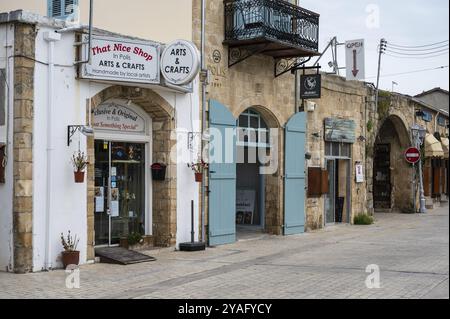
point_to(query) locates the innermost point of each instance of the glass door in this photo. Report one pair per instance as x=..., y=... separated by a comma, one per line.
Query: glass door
x=119, y=191
x=330, y=216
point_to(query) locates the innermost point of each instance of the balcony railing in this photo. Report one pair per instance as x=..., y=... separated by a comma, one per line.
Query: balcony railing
x=277, y=21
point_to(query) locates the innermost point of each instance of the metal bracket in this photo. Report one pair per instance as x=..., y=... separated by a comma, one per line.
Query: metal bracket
x=239, y=54
x=283, y=66
x=71, y=130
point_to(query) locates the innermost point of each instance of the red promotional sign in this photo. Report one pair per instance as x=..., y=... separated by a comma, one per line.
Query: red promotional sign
x=412, y=155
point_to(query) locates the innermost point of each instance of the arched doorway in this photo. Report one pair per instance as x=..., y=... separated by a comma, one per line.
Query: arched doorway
x=149, y=143
x=392, y=175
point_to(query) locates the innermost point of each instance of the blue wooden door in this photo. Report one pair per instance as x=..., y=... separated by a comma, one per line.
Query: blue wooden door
x=222, y=175
x=294, y=183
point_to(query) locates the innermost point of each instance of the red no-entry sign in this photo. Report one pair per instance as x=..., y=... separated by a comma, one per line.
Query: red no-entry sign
x=412, y=155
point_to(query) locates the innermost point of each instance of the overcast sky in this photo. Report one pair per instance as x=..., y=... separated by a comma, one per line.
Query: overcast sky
x=402, y=22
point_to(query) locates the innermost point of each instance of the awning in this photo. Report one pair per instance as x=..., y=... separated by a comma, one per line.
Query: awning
x=433, y=148
x=444, y=142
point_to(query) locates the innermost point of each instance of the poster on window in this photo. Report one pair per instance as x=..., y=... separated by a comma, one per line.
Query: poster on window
x=114, y=202
x=99, y=199
x=245, y=206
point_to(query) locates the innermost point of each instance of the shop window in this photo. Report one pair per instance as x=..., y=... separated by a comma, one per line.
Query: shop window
x=62, y=8
x=442, y=121
x=2, y=97
x=252, y=130
x=427, y=117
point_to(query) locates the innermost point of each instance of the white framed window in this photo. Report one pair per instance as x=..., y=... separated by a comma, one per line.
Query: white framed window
x=336, y=149
x=252, y=130
x=62, y=9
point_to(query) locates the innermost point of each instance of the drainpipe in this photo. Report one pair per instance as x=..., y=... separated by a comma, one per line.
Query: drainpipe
x=51, y=38
x=204, y=85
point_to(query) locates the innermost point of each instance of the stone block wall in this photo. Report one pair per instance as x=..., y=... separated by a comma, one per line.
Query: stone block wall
x=24, y=46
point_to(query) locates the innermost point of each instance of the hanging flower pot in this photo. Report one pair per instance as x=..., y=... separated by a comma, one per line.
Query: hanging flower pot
x=79, y=162
x=79, y=177
x=198, y=177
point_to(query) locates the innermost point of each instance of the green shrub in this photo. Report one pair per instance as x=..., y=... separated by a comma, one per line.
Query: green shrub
x=134, y=238
x=363, y=219
x=369, y=126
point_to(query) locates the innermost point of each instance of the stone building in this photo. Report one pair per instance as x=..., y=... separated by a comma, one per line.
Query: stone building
x=395, y=182
x=246, y=85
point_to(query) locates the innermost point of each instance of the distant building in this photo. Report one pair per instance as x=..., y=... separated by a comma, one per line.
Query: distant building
x=436, y=97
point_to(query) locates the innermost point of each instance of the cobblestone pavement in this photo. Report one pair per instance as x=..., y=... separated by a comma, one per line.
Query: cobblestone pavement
x=412, y=252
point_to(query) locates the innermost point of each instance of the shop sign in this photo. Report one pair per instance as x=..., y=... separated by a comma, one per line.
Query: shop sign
x=122, y=60
x=180, y=62
x=117, y=118
x=311, y=86
x=340, y=130
x=355, y=60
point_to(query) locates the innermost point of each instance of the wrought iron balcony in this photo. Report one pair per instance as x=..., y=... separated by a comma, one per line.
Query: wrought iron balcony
x=271, y=27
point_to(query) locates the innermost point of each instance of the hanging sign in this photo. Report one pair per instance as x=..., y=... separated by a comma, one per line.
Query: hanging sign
x=120, y=59
x=311, y=86
x=412, y=155
x=355, y=60
x=180, y=62
x=117, y=117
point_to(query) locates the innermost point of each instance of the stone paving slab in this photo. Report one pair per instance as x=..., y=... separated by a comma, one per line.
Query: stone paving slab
x=412, y=252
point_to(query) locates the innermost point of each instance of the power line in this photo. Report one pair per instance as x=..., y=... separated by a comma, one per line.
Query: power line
x=415, y=57
x=410, y=72
x=417, y=54
x=416, y=46
x=419, y=50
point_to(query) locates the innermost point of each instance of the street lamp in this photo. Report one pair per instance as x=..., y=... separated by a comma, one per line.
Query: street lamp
x=419, y=133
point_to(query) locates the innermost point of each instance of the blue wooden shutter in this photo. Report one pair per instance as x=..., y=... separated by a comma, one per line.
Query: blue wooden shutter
x=294, y=183
x=61, y=8
x=222, y=176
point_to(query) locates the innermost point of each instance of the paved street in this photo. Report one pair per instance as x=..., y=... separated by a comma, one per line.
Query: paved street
x=412, y=252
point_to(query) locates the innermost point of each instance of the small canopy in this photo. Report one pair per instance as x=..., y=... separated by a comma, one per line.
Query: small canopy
x=433, y=148
x=444, y=142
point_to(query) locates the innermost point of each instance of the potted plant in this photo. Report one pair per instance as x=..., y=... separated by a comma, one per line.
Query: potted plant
x=198, y=169
x=70, y=255
x=79, y=162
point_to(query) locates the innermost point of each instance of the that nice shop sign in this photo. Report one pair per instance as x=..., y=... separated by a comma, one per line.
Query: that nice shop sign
x=123, y=60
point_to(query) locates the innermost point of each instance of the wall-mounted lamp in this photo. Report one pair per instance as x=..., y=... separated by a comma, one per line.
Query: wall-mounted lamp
x=308, y=155
x=361, y=138
x=316, y=134
x=83, y=129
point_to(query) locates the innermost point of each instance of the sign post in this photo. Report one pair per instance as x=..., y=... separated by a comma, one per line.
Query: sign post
x=355, y=60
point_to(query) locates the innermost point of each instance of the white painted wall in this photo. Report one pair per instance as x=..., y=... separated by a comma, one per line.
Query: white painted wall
x=68, y=200
x=6, y=190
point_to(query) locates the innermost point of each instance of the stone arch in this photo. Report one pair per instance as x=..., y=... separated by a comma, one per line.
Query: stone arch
x=273, y=217
x=164, y=192
x=271, y=115
x=393, y=135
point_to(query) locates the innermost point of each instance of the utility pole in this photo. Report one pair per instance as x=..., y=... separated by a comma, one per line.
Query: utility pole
x=383, y=43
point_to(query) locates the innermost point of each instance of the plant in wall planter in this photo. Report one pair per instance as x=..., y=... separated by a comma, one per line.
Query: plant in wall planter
x=70, y=255
x=198, y=169
x=79, y=162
